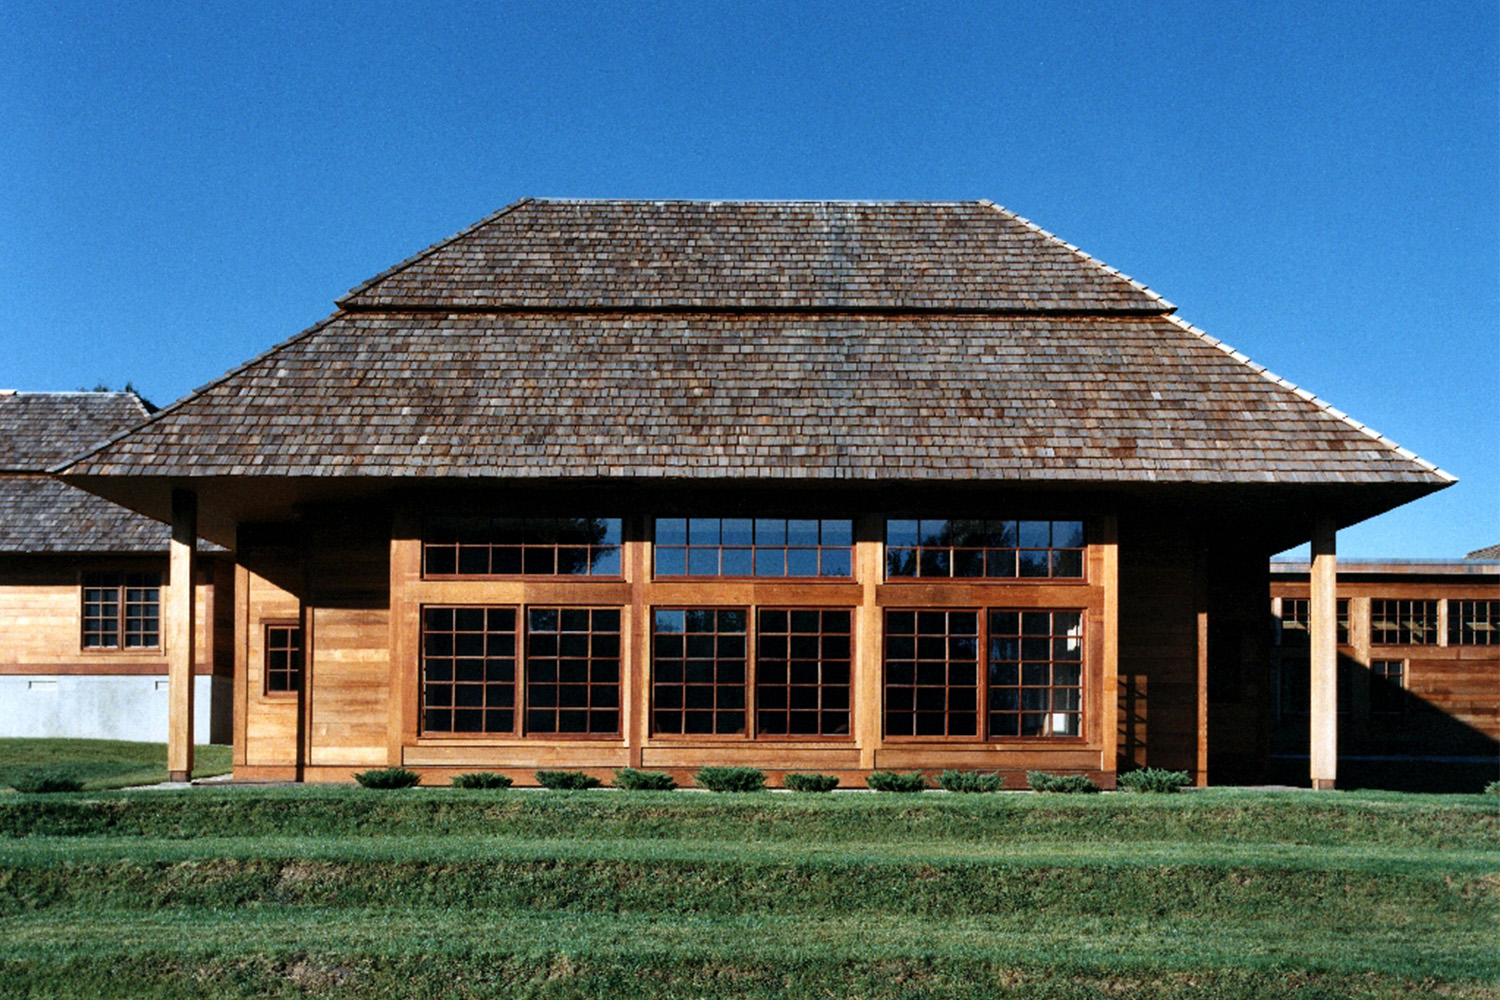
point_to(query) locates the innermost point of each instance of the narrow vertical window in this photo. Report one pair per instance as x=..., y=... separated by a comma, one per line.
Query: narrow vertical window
x=283, y=658
x=699, y=661
x=1387, y=684
x=802, y=667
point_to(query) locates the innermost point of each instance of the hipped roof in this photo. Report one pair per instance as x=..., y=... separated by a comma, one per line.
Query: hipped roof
x=725, y=340
x=39, y=514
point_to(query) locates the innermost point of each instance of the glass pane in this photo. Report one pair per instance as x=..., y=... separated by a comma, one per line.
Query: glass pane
x=671, y=531
x=901, y=533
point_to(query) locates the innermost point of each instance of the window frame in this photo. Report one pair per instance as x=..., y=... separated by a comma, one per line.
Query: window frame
x=983, y=735
x=297, y=656
x=521, y=671
x=1382, y=675
x=128, y=580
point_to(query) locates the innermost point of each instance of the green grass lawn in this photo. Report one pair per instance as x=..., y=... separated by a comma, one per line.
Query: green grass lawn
x=105, y=763
x=344, y=892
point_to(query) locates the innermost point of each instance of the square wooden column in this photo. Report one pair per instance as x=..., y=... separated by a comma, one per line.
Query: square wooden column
x=1323, y=658
x=181, y=635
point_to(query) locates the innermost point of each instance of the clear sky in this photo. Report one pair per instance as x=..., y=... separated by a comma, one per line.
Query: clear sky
x=1317, y=184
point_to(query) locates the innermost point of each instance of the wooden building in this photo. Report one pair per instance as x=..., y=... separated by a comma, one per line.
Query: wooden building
x=82, y=586
x=806, y=486
x=1419, y=670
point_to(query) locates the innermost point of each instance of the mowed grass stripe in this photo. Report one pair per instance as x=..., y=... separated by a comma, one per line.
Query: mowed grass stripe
x=1209, y=817
x=54, y=851
x=1088, y=945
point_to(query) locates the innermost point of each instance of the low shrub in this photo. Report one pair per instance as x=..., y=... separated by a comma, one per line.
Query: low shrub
x=811, y=782
x=730, y=779
x=42, y=780
x=563, y=781
x=1154, y=779
x=1073, y=784
x=644, y=781
x=389, y=777
x=1493, y=788
x=971, y=781
x=481, y=779
x=890, y=781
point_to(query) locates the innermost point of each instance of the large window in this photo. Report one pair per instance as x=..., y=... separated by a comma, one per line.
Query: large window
x=701, y=683
x=802, y=667
x=567, y=683
x=283, y=659
x=121, y=610
x=994, y=549
x=1403, y=623
x=521, y=546
x=1036, y=673
x=1474, y=623
x=699, y=667
x=1032, y=684
x=754, y=546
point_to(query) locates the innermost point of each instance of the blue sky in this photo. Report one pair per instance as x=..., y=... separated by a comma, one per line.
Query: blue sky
x=184, y=185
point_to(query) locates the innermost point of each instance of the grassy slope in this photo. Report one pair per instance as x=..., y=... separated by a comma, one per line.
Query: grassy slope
x=105, y=763
x=344, y=892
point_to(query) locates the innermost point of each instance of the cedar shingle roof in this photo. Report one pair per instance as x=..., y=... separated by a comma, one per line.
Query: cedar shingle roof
x=1488, y=552
x=39, y=514
x=40, y=429
x=561, y=339
x=753, y=255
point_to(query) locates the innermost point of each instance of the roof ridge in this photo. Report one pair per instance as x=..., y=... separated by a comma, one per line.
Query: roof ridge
x=1167, y=307
x=1312, y=398
x=422, y=254
x=176, y=404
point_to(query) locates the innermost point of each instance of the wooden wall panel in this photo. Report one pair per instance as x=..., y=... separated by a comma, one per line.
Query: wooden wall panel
x=351, y=693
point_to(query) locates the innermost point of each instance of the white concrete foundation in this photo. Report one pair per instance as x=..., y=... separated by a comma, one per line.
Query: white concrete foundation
x=110, y=707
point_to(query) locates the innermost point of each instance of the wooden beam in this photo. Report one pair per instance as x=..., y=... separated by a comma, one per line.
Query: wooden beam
x=1323, y=660
x=181, y=633
x=869, y=657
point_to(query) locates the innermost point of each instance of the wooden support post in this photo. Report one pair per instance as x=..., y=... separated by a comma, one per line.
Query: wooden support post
x=1109, y=548
x=869, y=551
x=1201, y=569
x=180, y=636
x=1324, y=657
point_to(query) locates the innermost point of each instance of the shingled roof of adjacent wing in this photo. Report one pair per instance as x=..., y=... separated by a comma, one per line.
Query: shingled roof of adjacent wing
x=1113, y=398
x=754, y=255
x=40, y=514
x=40, y=429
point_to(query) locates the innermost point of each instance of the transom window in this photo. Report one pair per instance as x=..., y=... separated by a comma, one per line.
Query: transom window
x=283, y=658
x=1474, y=623
x=1387, y=679
x=802, y=666
x=567, y=683
x=522, y=546
x=996, y=549
x=1403, y=623
x=1032, y=685
x=754, y=546
x=121, y=610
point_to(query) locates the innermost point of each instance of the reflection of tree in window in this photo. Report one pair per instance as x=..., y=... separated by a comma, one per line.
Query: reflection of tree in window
x=753, y=546
x=522, y=546
x=984, y=548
